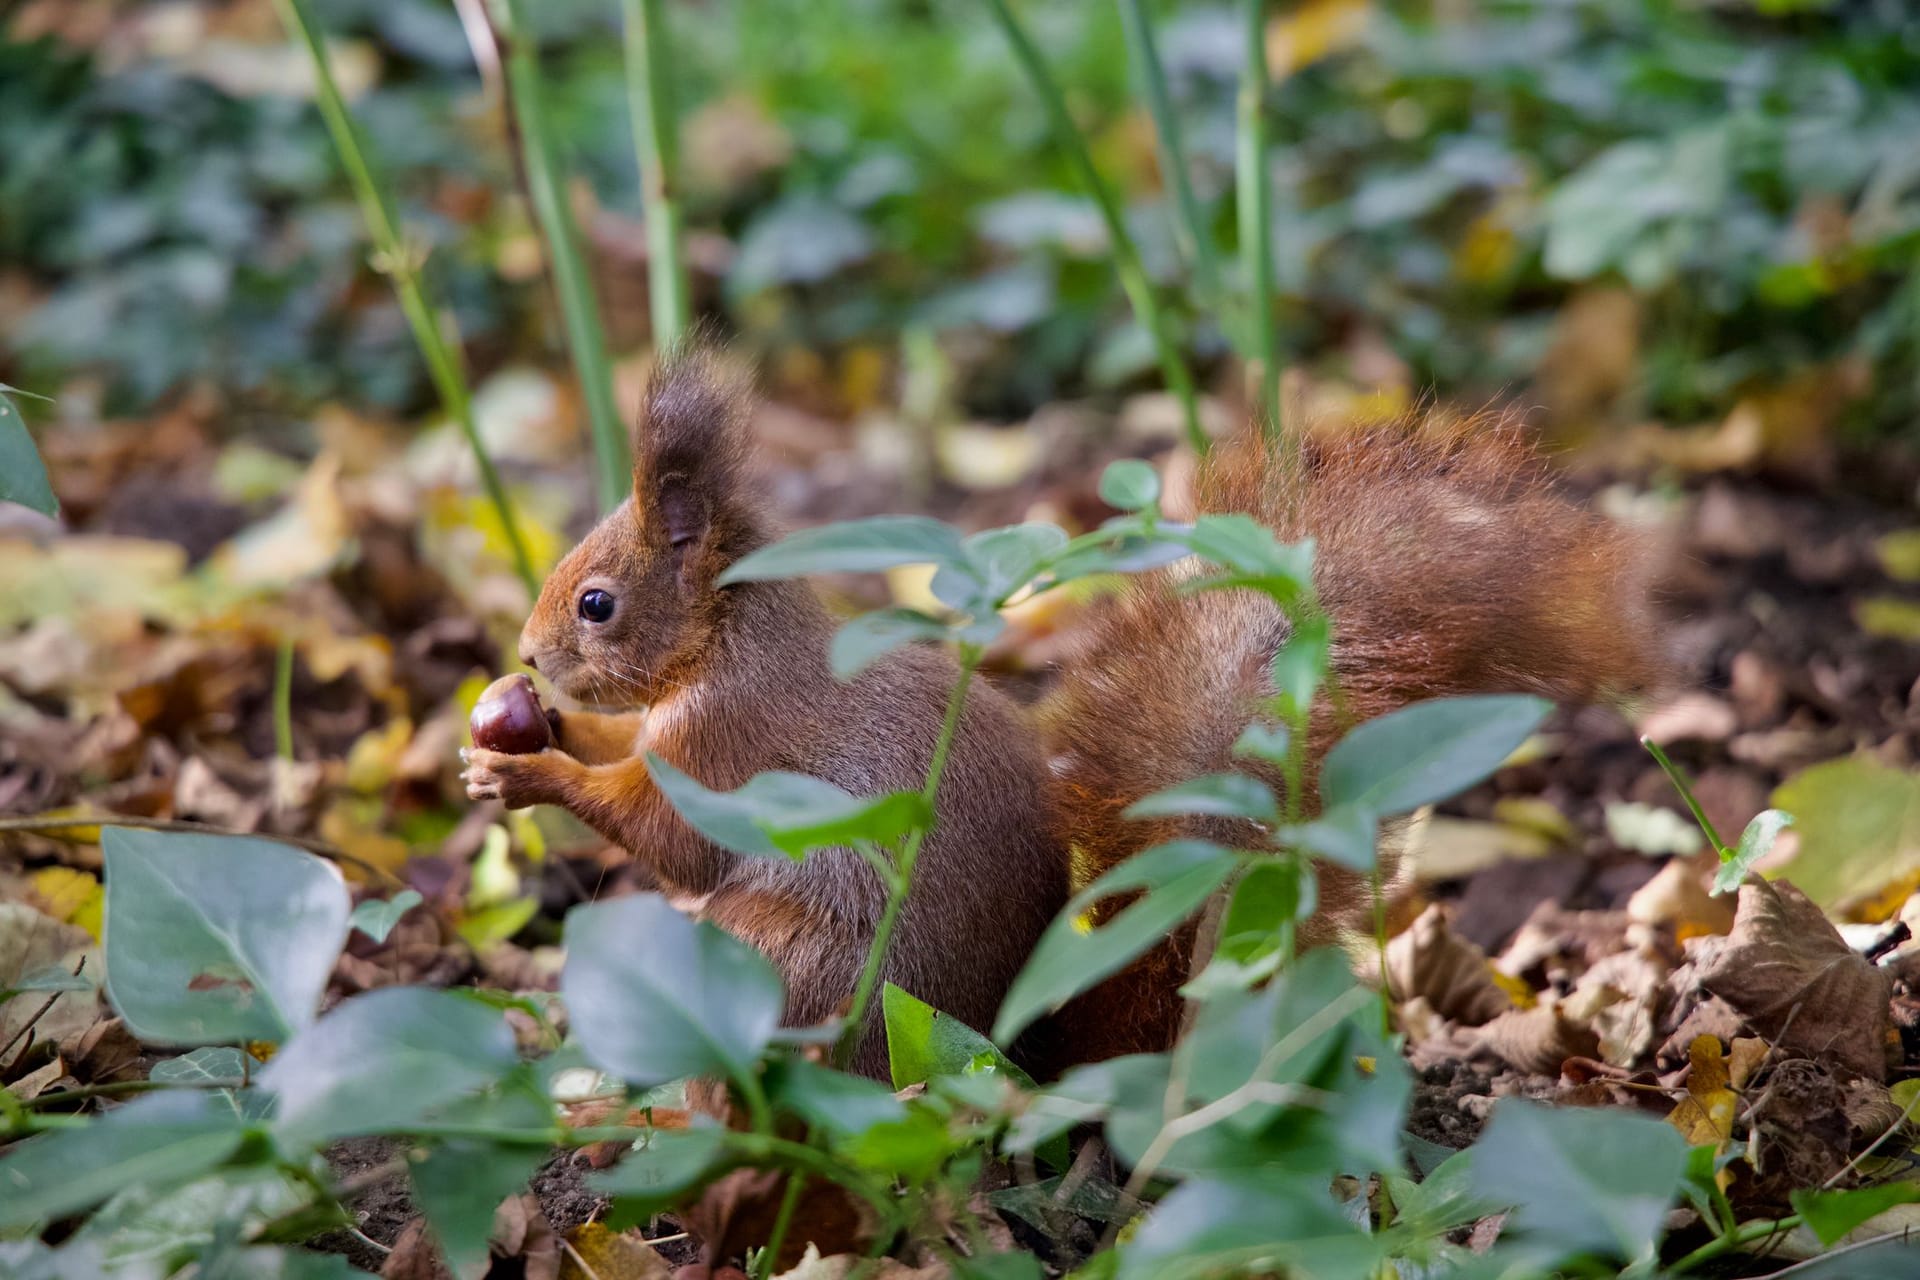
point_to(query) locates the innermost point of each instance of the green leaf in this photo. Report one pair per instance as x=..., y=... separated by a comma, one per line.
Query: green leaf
x=834, y=1101
x=220, y=1066
x=853, y=546
x=23, y=477
x=1345, y=834
x=1263, y=742
x=1071, y=957
x=1586, y=1180
x=1212, y=795
x=923, y=1043
x=1005, y=560
x=661, y=1170
x=911, y=1148
x=1831, y=1215
x=860, y=642
x=786, y=813
x=458, y=1184
x=1220, y=1226
x=1085, y=1094
x=164, y=1137
x=1756, y=842
x=1858, y=823
x=161, y=1221
x=218, y=939
x=1427, y=752
x=1249, y=552
x=1129, y=485
x=380, y=1062
x=1301, y=663
x=48, y=977
x=655, y=996
x=376, y=916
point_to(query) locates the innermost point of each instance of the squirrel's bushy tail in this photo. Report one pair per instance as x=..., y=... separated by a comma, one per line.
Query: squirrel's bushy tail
x=1448, y=564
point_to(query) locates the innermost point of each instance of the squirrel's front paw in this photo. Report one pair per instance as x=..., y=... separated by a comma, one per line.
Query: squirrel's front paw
x=519, y=780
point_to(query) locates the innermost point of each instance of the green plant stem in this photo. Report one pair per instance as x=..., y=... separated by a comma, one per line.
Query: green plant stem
x=401, y=264
x=283, y=699
x=1254, y=188
x=650, y=102
x=909, y=854
x=1679, y=781
x=1744, y=1234
x=579, y=305
x=1189, y=227
x=1126, y=256
x=782, y=1221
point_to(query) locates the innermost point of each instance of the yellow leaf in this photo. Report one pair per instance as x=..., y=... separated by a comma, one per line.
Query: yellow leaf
x=1900, y=554
x=1888, y=616
x=343, y=825
x=1705, y=1115
x=374, y=754
x=596, y=1252
x=493, y=879
x=69, y=895
x=1857, y=822
x=1311, y=31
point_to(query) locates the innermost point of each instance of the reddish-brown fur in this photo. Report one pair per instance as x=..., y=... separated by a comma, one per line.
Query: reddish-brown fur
x=1445, y=559
x=1448, y=565
x=736, y=682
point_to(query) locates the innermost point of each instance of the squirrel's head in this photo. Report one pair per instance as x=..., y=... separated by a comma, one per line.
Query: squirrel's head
x=624, y=618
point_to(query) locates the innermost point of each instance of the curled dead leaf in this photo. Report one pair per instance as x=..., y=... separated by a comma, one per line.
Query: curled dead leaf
x=1786, y=969
x=1430, y=962
x=1537, y=1040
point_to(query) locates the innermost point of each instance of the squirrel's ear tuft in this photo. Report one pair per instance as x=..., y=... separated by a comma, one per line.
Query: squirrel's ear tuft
x=690, y=446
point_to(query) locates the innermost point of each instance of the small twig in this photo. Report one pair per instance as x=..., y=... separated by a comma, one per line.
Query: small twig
x=367, y=1240
x=578, y=1261
x=1825, y=1259
x=1905, y=1115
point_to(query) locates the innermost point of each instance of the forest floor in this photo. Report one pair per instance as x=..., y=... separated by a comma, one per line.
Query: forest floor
x=1574, y=952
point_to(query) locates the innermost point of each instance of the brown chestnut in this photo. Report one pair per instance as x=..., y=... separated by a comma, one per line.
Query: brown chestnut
x=509, y=718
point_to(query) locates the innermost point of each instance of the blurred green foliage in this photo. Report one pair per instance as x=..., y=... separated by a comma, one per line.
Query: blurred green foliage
x=1446, y=175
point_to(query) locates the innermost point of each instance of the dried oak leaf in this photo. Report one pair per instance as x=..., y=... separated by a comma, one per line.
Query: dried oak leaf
x=1537, y=1040
x=1786, y=969
x=1431, y=962
x=596, y=1252
x=737, y=1213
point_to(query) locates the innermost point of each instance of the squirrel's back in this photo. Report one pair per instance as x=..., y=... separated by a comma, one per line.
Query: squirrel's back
x=1447, y=562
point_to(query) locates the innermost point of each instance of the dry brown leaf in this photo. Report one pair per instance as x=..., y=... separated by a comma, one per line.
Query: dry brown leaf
x=737, y=1212
x=596, y=1252
x=1787, y=970
x=1676, y=898
x=841, y=1266
x=1537, y=1040
x=1429, y=961
x=1622, y=997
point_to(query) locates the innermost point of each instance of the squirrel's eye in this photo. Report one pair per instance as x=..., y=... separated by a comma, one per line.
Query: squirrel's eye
x=596, y=606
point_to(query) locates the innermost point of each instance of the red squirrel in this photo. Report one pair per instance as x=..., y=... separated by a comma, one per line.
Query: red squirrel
x=1445, y=561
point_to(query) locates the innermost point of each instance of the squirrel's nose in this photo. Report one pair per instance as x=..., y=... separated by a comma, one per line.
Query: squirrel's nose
x=529, y=659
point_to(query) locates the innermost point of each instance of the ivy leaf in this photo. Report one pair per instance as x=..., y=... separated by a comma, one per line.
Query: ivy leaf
x=381, y=1061
x=1129, y=485
x=165, y=1137
x=1830, y=1215
x=1071, y=957
x=23, y=476
x=840, y=1104
x=1005, y=560
x=655, y=996
x=1219, y=1226
x=924, y=1043
x=1301, y=663
x=220, y=1066
x=1263, y=742
x=660, y=1170
x=1212, y=795
x=1345, y=834
x=218, y=939
x=1756, y=842
x=376, y=916
x=786, y=813
x=1427, y=752
x=1583, y=1179
x=853, y=546
x=860, y=642
x=459, y=1183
